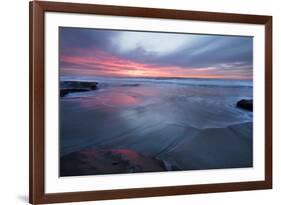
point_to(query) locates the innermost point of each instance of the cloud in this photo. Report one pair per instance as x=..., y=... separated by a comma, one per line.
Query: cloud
x=100, y=63
x=152, y=42
x=145, y=53
x=205, y=51
x=72, y=39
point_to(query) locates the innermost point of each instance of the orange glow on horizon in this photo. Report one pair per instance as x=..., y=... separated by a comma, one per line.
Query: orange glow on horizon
x=100, y=63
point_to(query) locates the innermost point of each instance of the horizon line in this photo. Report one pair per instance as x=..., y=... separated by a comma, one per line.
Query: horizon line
x=152, y=77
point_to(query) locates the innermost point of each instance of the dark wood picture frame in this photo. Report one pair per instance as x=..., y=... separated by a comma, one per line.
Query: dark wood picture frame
x=37, y=193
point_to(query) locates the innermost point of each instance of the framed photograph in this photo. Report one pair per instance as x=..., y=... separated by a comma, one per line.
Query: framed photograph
x=139, y=102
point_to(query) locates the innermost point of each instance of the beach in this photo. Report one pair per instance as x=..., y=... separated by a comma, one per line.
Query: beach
x=146, y=125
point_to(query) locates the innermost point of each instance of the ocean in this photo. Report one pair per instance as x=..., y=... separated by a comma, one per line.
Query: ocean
x=168, y=119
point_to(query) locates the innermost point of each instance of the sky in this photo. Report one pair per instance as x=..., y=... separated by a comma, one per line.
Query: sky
x=114, y=53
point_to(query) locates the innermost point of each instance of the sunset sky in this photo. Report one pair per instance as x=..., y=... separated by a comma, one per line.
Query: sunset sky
x=93, y=52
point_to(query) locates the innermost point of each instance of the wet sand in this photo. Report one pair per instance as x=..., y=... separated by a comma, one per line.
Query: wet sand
x=185, y=127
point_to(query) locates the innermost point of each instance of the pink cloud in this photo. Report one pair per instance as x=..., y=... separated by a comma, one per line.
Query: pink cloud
x=99, y=63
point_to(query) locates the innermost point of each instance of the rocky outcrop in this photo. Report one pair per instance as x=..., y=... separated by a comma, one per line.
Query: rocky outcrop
x=115, y=161
x=67, y=87
x=245, y=104
x=65, y=91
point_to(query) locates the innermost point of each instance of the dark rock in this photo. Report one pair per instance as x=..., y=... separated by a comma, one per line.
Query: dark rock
x=78, y=84
x=115, y=161
x=67, y=87
x=130, y=85
x=245, y=104
x=65, y=91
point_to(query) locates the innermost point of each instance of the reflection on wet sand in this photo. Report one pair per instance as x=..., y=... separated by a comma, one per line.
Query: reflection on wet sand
x=185, y=127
